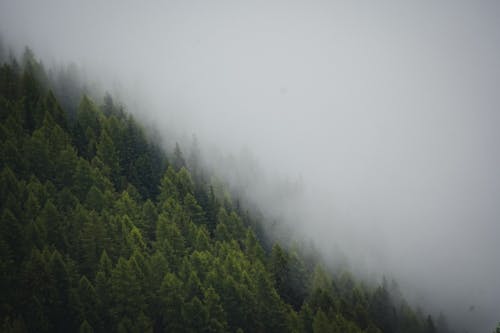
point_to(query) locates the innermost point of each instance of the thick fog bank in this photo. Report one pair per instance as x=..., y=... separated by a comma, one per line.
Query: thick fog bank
x=387, y=115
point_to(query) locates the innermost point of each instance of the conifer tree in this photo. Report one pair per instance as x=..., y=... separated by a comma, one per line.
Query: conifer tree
x=178, y=160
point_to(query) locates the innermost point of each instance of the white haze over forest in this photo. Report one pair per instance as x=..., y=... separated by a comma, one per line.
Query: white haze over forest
x=387, y=114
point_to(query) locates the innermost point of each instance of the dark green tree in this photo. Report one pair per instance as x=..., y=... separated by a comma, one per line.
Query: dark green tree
x=178, y=159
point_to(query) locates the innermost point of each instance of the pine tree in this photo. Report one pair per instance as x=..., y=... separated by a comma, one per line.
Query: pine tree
x=169, y=241
x=216, y=314
x=194, y=210
x=127, y=296
x=382, y=310
x=178, y=160
x=54, y=109
x=321, y=323
x=172, y=302
x=51, y=220
x=59, y=293
x=149, y=219
x=106, y=152
x=89, y=302
x=85, y=327
x=12, y=236
x=168, y=188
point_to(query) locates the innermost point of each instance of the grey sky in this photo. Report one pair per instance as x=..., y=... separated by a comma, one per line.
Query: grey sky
x=388, y=111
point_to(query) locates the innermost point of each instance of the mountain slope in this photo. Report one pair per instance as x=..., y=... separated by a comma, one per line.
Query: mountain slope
x=100, y=231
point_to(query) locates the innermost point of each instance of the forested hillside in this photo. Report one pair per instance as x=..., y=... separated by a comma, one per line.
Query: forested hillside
x=101, y=232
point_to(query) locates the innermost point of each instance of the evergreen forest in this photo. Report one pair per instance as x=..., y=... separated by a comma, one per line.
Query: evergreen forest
x=102, y=230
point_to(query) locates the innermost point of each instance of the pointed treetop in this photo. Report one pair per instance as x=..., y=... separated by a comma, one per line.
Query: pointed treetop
x=178, y=160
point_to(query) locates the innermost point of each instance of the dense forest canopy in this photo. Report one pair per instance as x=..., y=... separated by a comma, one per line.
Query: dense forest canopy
x=101, y=230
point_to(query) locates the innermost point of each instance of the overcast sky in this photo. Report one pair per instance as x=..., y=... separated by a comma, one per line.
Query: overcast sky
x=389, y=112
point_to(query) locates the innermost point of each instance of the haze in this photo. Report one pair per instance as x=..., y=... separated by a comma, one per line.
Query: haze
x=387, y=114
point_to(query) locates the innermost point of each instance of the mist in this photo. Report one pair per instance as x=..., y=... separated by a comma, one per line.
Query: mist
x=386, y=115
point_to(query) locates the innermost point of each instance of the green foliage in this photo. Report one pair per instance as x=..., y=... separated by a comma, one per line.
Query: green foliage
x=321, y=324
x=99, y=233
x=107, y=153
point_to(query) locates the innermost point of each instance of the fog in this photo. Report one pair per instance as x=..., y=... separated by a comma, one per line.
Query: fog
x=386, y=115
